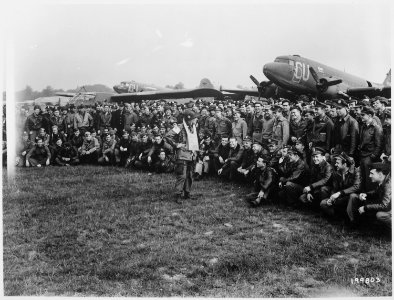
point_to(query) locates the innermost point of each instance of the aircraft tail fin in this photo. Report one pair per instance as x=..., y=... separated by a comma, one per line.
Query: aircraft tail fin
x=205, y=83
x=387, y=80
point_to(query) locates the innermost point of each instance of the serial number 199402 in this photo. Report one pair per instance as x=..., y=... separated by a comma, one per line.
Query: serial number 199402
x=366, y=280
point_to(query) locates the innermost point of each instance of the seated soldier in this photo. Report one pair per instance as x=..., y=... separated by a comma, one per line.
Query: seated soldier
x=55, y=152
x=89, y=150
x=164, y=164
x=299, y=145
x=376, y=202
x=205, y=158
x=274, y=153
x=39, y=155
x=124, y=148
x=107, y=151
x=76, y=140
x=296, y=176
x=221, y=154
x=22, y=149
x=257, y=149
x=158, y=145
x=43, y=136
x=284, y=160
x=116, y=139
x=134, y=147
x=67, y=155
x=53, y=137
x=247, y=159
x=142, y=158
x=346, y=180
x=265, y=183
x=320, y=179
x=233, y=161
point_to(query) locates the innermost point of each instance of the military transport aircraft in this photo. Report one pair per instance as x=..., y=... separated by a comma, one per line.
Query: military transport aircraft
x=85, y=97
x=299, y=75
x=132, y=91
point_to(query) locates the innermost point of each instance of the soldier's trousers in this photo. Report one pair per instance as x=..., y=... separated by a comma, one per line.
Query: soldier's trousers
x=339, y=206
x=318, y=195
x=290, y=192
x=184, y=176
x=355, y=203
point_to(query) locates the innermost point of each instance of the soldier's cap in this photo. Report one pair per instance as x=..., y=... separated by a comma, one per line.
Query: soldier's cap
x=76, y=129
x=25, y=133
x=218, y=108
x=62, y=108
x=368, y=110
x=188, y=115
x=247, y=139
x=54, y=125
x=297, y=108
x=207, y=136
x=272, y=142
x=318, y=150
x=339, y=103
x=212, y=107
x=380, y=99
x=349, y=160
x=380, y=167
x=190, y=104
x=320, y=104
x=257, y=143
x=277, y=107
x=299, y=141
x=37, y=107
x=293, y=150
x=72, y=106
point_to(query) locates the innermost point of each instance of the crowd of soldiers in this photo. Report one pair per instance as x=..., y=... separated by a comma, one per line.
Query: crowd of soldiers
x=333, y=155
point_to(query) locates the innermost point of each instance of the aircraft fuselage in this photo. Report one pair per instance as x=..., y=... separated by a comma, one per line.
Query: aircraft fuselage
x=292, y=72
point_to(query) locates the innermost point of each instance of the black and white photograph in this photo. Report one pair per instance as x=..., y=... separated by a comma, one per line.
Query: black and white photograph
x=196, y=149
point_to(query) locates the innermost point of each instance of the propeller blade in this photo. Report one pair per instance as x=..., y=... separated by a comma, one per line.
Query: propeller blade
x=334, y=82
x=314, y=74
x=256, y=82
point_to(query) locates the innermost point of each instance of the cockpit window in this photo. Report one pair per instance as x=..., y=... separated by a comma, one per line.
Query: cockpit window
x=285, y=61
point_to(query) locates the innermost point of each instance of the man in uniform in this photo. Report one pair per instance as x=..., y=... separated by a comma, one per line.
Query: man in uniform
x=239, y=127
x=376, y=202
x=231, y=164
x=210, y=122
x=265, y=183
x=345, y=133
x=223, y=125
x=186, y=145
x=378, y=104
x=34, y=122
x=371, y=141
x=386, y=153
x=322, y=129
x=256, y=124
x=298, y=125
x=319, y=187
x=39, y=155
x=286, y=109
x=346, y=180
x=248, y=157
x=280, y=130
x=291, y=183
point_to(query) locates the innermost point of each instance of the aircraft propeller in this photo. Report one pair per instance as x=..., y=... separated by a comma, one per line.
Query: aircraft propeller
x=261, y=86
x=322, y=84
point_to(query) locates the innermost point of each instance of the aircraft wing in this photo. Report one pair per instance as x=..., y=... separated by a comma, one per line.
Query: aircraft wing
x=242, y=92
x=171, y=94
x=370, y=92
x=65, y=94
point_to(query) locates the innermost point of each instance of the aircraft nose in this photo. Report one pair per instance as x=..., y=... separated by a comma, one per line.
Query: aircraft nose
x=275, y=70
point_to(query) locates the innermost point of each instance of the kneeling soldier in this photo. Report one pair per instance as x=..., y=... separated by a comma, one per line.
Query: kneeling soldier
x=320, y=179
x=265, y=182
x=376, y=202
x=346, y=180
x=294, y=179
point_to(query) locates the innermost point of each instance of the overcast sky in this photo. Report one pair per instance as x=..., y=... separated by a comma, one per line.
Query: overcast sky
x=69, y=45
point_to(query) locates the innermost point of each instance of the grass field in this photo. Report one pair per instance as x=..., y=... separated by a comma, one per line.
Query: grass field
x=105, y=231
